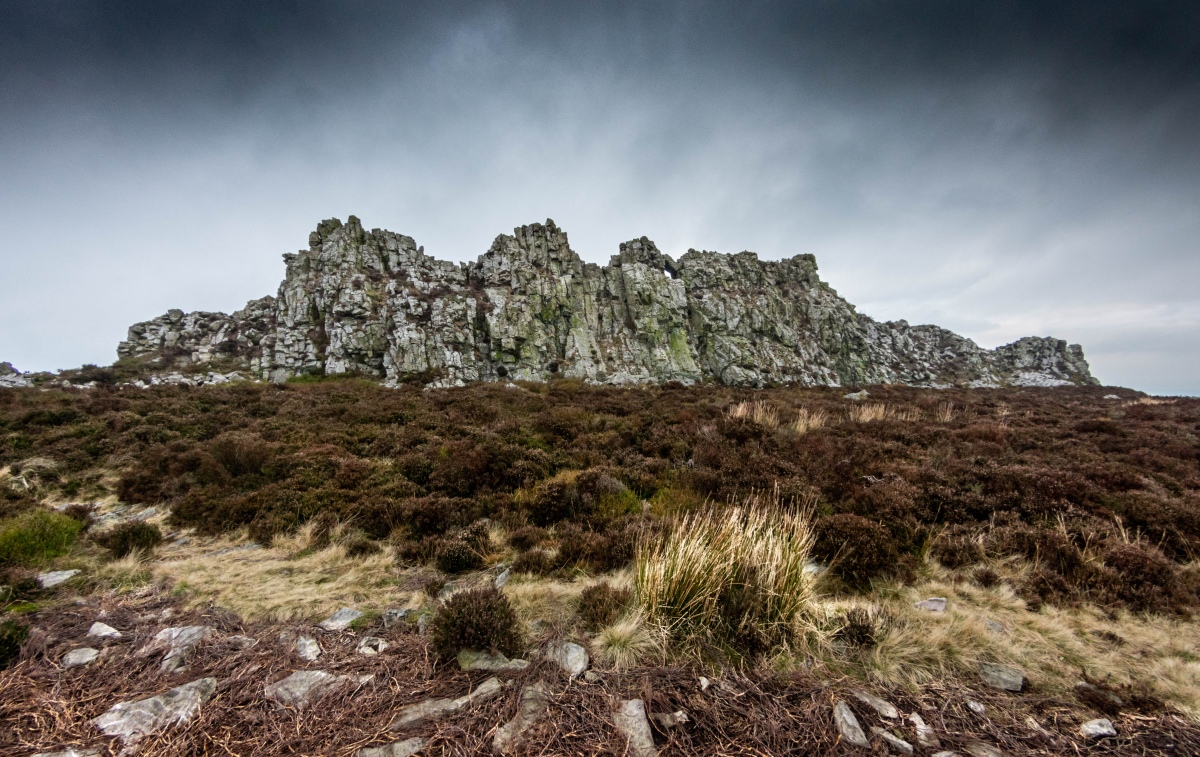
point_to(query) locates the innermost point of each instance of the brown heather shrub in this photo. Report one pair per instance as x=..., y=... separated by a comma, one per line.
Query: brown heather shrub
x=957, y=548
x=457, y=556
x=12, y=635
x=527, y=537
x=479, y=619
x=1145, y=580
x=533, y=561
x=864, y=627
x=601, y=605
x=857, y=550
x=418, y=551
x=129, y=537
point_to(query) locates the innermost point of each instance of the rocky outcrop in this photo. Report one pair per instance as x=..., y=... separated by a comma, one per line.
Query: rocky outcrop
x=373, y=303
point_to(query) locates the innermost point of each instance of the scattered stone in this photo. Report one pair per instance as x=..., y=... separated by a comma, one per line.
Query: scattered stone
x=72, y=752
x=307, y=648
x=423, y=623
x=103, y=631
x=847, y=724
x=392, y=617
x=471, y=660
x=667, y=720
x=502, y=579
x=945, y=754
x=131, y=721
x=340, y=620
x=405, y=748
x=533, y=704
x=569, y=656
x=704, y=683
x=56, y=577
x=1111, y=397
x=371, y=646
x=305, y=686
x=241, y=642
x=591, y=677
x=993, y=625
x=180, y=642
x=1035, y=726
x=1099, y=728
x=982, y=749
x=1002, y=676
x=630, y=720
x=976, y=708
x=858, y=396
x=435, y=708
x=926, y=737
x=933, y=604
x=884, y=708
x=892, y=740
x=79, y=657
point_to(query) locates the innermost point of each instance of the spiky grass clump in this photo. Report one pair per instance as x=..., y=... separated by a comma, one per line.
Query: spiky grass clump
x=626, y=643
x=35, y=537
x=734, y=577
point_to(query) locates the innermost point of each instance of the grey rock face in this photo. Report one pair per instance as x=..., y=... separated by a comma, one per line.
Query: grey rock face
x=77, y=658
x=307, y=648
x=630, y=719
x=371, y=646
x=471, y=660
x=933, y=604
x=847, y=724
x=1002, y=676
x=534, y=702
x=179, y=643
x=373, y=303
x=925, y=735
x=131, y=721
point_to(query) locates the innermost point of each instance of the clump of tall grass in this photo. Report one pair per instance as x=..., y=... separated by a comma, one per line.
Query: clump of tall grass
x=733, y=577
x=809, y=420
x=760, y=412
x=876, y=411
x=36, y=537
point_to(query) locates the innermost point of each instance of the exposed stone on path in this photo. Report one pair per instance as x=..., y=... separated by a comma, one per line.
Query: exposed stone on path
x=393, y=616
x=933, y=604
x=847, y=724
x=502, y=579
x=630, y=719
x=180, y=642
x=884, y=708
x=1099, y=728
x=340, y=620
x=56, y=577
x=405, y=748
x=241, y=642
x=103, y=631
x=131, y=721
x=666, y=720
x=983, y=749
x=926, y=736
x=72, y=752
x=371, y=646
x=77, y=658
x=569, y=656
x=306, y=686
x=307, y=648
x=436, y=708
x=976, y=708
x=1002, y=676
x=469, y=659
x=534, y=701
x=892, y=740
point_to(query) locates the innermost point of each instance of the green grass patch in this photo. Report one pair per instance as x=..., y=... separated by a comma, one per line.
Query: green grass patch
x=36, y=537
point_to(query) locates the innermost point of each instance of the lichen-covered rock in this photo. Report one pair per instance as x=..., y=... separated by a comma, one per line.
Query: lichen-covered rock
x=372, y=303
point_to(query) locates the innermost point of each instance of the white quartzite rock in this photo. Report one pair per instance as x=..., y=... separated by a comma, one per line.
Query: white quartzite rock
x=1002, y=676
x=847, y=724
x=667, y=720
x=925, y=735
x=892, y=740
x=180, y=642
x=933, y=604
x=405, y=748
x=307, y=648
x=472, y=660
x=371, y=646
x=569, y=656
x=54, y=578
x=884, y=708
x=71, y=753
x=103, y=631
x=1098, y=729
x=340, y=620
x=630, y=719
x=79, y=657
x=131, y=721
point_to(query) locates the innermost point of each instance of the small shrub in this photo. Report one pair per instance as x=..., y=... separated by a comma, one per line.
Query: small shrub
x=12, y=636
x=419, y=551
x=533, y=561
x=1146, y=581
x=476, y=535
x=358, y=545
x=433, y=587
x=129, y=537
x=35, y=537
x=456, y=556
x=526, y=538
x=553, y=501
x=81, y=513
x=862, y=627
x=986, y=576
x=956, y=548
x=479, y=619
x=601, y=604
x=858, y=550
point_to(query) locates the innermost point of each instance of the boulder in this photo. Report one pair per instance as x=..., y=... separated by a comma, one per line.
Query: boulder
x=340, y=620
x=472, y=660
x=983, y=749
x=847, y=724
x=56, y=577
x=405, y=748
x=77, y=658
x=630, y=719
x=303, y=687
x=414, y=714
x=884, y=708
x=131, y=721
x=534, y=701
x=103, y=631
x=1099, y=728
x=307, y=648
x=569, y=656
x=1002, y=676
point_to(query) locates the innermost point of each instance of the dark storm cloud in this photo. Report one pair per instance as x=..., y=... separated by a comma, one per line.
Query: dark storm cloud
x=999, y=168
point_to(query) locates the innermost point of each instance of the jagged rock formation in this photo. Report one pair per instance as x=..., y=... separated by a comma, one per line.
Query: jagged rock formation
x=373, y=303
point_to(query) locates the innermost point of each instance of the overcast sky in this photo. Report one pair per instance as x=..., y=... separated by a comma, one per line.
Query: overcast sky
x=1001, y=169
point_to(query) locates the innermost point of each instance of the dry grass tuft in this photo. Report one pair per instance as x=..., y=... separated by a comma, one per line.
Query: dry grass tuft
x=876, y=411
x=627, y=643
x=945, y=412
x=809, y=420
x=761, y=413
